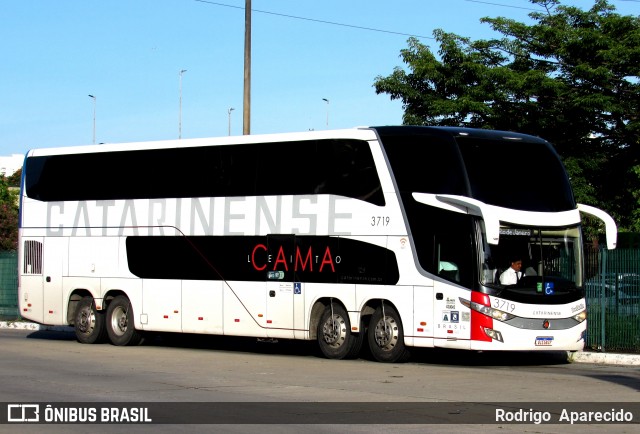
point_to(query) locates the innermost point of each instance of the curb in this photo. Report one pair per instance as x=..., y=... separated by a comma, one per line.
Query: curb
x=604, y=358
x=22, y=325
x=572, y=356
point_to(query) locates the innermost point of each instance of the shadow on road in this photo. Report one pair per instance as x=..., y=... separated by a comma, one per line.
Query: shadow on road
x=431, y=356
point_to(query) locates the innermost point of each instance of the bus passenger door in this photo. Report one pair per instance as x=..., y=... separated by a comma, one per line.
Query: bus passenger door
x=280, y=291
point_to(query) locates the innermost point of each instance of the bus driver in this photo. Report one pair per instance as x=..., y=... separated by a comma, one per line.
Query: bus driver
x=512, y=274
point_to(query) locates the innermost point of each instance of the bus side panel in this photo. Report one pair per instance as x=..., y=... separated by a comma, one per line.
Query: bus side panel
x=94, y=256
x=245, y=308
x=30, y=282
x=280, y=309
x=202, y=306
x=30, y=298
x=452, y=319
x=345, y=293
x=423, y=324
x=300, y=315
x=41, y=270
x=162, y=305
x=53, y=259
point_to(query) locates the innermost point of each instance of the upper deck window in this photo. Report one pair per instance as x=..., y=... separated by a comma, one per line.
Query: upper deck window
x=342, y=167
x=516, y=174
x=425, y=163
x=522, y=172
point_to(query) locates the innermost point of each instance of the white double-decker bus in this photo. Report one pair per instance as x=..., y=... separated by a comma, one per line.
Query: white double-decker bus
x=393, y=236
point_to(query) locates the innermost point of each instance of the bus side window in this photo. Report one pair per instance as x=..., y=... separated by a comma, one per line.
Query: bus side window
x=496, y=279
x=488, y=273
x=449, y=271
x=350, y=171
x=452, y=275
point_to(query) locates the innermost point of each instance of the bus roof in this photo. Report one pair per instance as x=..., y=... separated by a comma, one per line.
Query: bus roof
x=362, y=133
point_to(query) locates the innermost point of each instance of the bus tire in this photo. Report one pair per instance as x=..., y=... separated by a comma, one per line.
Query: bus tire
x=334, y=333
x=88, y=322
x=358, y=342
x=386, y=336
x=119, y=323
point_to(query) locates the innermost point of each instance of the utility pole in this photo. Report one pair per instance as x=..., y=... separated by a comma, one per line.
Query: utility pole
x=246, y=121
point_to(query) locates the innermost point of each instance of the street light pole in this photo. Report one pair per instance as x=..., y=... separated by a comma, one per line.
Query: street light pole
x=229, y=111
x=94, y=118
x=327, y=101
x=182, y=71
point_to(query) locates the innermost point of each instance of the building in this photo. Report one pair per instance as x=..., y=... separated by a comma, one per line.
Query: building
x=9, y=165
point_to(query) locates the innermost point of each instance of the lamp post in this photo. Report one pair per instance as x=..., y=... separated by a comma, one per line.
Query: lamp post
x=327, y=101
x=229, y=111
x=94, y=118
x=182, y=71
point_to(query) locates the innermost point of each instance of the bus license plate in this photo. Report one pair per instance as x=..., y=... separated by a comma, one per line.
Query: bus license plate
x=544, y=341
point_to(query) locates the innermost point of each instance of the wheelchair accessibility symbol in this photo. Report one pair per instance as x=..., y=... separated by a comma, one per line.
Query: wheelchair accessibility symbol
x=548, y=288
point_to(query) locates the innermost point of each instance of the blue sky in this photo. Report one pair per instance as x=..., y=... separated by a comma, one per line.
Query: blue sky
x=129, y=53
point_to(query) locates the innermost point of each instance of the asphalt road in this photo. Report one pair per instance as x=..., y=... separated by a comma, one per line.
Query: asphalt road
x=266, y=380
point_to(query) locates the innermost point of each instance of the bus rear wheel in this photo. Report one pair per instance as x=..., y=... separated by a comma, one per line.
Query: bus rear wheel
x=386, y=336
x=120, y=327
x=88, y=322
x=334, y=333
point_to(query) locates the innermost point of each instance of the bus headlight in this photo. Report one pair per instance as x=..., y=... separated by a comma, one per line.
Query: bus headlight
x=493, y=334
x=496, y=314
x=579, y=317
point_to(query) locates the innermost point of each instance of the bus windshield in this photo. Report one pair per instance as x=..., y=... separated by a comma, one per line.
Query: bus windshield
x=545, y=263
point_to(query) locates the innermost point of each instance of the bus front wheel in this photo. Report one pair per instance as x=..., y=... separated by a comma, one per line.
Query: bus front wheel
x=120, y=326
x=386, y=336
x=334, y=333
x=88, y=322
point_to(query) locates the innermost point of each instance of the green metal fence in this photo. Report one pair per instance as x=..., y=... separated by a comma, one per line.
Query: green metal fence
x=613, y=299
x=9, y=286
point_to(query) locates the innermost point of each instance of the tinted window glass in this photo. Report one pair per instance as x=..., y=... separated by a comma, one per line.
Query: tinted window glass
x=521, y=172
x=443, y=241
x=425, y=163
x=516, y=174
x=319, y=259
x=346, y=168
x=342, y=167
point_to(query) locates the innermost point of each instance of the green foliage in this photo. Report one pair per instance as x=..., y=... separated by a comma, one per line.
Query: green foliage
x=636, y=195
x=8, y=216
x=14, y=180
x=573, y=77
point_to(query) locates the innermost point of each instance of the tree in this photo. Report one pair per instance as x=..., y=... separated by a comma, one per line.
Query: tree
x=573, y=78
x=14, y=180
x=8, y=216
